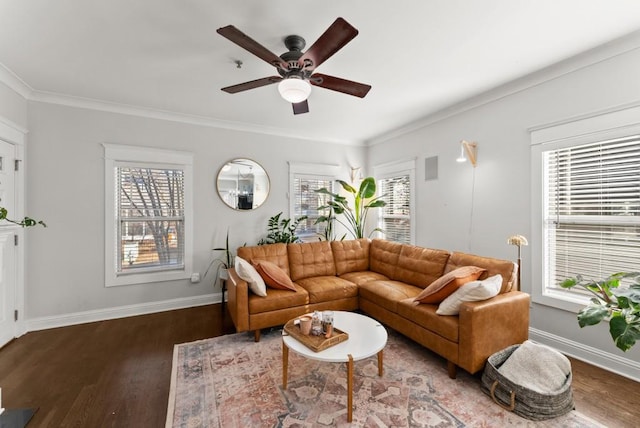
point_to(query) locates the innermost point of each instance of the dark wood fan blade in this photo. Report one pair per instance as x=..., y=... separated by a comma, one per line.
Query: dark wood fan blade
x=252, y=84
x=246, y=42
x=301, y=107
x=331, y=41
x=340, y=85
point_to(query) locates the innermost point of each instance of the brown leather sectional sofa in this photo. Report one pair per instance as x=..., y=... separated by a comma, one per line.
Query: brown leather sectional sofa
x=381, y=278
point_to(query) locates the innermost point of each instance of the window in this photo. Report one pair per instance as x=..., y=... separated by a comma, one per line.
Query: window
x=305, y=179
x=148, y=215
x=307, y=201
x=395, y=185
x=589, y=205
x=592, y=209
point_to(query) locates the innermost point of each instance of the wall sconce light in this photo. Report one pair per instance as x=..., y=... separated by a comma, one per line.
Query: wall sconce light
x=356, y=173
x=468, y=151
x=519, y=241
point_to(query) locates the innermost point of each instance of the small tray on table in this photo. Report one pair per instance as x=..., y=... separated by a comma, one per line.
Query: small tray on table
x=315, y=343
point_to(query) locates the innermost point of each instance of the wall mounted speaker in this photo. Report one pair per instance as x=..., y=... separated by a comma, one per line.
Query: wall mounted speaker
x=431, y=168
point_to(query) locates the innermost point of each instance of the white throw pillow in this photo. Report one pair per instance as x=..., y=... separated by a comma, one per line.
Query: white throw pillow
x=248, y=273
x=473, y=291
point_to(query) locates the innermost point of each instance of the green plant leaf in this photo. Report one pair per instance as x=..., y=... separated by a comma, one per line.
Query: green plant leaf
x=569, y=283
x=346, y=186
x=367, y=188
x=377, y=204
x=624, y=335
x=632, y=293
x=592, y=314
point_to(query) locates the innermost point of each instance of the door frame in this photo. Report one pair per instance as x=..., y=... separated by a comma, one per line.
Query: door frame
x=12, y=133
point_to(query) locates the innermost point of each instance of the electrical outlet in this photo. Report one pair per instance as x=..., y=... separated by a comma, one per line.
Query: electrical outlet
x=195, y=277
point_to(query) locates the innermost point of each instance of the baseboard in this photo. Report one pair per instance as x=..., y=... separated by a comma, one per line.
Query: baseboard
x=605, y=360
x=44, y=323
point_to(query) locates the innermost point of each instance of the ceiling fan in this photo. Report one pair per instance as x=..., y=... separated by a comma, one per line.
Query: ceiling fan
x=297, y=68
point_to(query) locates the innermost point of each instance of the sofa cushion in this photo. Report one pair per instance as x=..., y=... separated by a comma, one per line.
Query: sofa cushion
x=383, y=256
x=248, y=273
x=387, y=293
x=474, y=291
x=425, y=316
x=328, y=288
x=278, y=299
x=274, y=253
x=420, y=266
x=351, y=256
x=363, y=277
x=310, y=259
x=506, y=268
x=273, y=275
x=442, y=287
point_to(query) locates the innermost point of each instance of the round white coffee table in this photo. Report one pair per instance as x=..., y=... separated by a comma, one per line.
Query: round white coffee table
x=367, y=337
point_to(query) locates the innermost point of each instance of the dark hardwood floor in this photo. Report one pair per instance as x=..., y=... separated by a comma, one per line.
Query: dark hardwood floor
x=116, y=373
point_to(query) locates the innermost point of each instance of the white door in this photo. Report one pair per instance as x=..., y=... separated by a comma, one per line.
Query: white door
x=7, y=246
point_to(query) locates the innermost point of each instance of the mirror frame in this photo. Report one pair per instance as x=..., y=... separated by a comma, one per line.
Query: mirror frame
x=230, y=192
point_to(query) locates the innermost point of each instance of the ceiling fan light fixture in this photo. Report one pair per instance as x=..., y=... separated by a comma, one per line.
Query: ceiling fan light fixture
x=294, y=89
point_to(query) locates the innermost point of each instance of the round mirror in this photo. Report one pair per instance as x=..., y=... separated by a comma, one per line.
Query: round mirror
x=243, y=184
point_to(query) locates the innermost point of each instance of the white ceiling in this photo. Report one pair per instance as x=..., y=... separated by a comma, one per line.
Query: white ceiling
x=420, y=56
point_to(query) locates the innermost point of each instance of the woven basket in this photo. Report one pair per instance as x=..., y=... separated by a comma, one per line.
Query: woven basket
x=520, y=400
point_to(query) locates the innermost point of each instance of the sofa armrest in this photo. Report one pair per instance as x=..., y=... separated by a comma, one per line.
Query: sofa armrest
x=238, y=301
x=491, y=325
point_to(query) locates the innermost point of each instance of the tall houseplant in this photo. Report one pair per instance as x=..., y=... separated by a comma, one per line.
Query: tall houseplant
x=620, y=305
x=356, y=216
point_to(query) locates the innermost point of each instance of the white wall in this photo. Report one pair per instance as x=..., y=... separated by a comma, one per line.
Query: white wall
x=502, y=201
x=65, y=261
x=13, y=107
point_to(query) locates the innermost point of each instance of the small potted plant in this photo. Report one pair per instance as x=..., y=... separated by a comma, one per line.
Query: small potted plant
x=282, y=230
x=224, y=263
x=620, y=305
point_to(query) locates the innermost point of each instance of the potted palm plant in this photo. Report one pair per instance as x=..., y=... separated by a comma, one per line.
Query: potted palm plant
x=355, y=217
x=620, y=305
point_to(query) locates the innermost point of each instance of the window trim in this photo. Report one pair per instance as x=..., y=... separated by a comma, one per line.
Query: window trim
x=395, y=168
x=593, y=128
x=118, y=154
x=308, y=170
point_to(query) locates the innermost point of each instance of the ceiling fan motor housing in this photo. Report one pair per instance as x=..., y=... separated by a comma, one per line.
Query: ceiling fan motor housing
x=295, y=44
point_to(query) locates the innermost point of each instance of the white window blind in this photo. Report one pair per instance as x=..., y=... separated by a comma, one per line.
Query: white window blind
x=591, y=209
x=306, y=202
x=150, y=217
x=395, y=220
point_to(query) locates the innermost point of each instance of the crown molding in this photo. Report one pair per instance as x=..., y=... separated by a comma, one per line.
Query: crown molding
x=150, y=113
x=14, y=82
x=601, y=53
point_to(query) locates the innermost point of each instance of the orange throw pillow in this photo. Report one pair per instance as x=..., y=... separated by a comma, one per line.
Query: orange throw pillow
x=442, y=287
x=273, y=275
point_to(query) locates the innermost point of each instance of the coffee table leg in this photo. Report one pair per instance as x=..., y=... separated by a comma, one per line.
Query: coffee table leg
x=285, y=364
x=350, y=388
x=380, y=368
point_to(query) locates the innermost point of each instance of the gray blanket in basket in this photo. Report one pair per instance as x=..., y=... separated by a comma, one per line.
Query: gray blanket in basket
x=537, y=367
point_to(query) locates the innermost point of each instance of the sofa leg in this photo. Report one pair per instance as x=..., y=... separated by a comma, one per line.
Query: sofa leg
x=451, y=369
x=256, y=335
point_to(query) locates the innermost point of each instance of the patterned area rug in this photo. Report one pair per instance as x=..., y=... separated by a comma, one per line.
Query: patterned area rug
x=231, y=381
